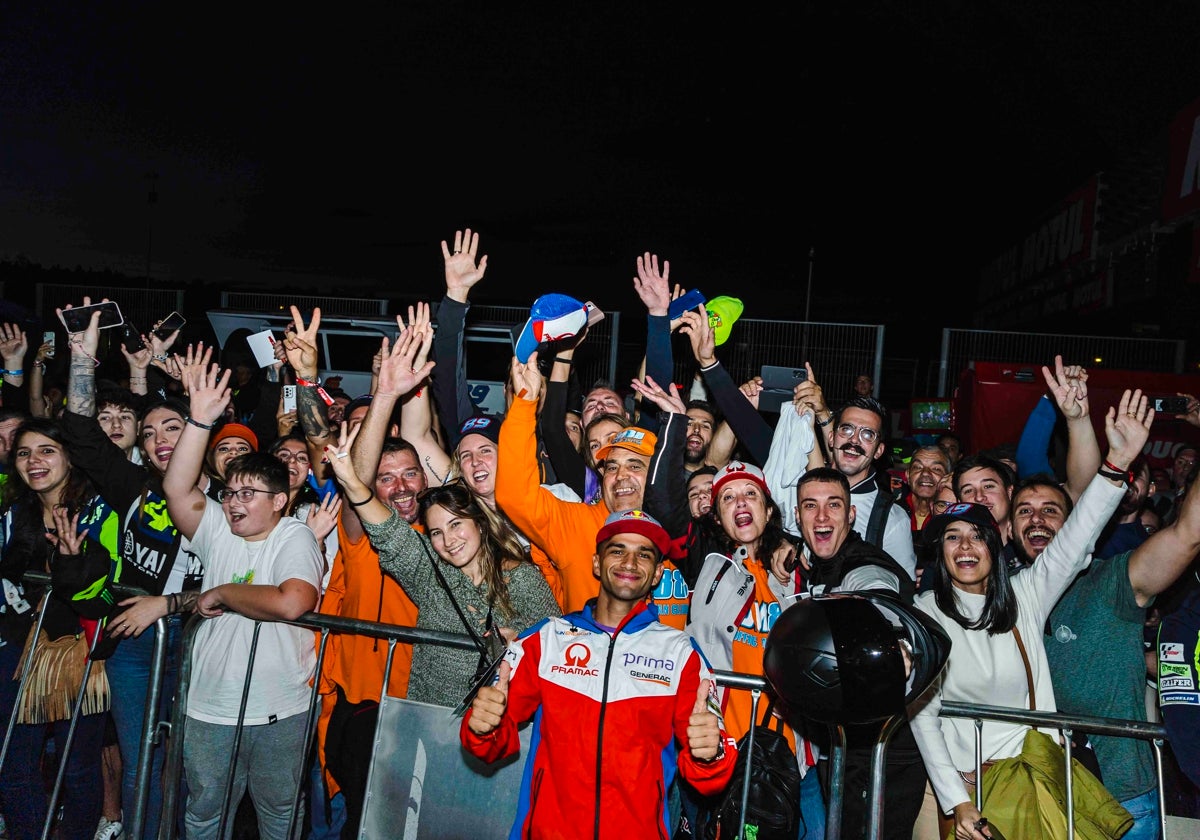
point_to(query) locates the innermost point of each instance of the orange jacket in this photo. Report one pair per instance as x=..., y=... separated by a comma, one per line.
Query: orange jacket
x=566, y=531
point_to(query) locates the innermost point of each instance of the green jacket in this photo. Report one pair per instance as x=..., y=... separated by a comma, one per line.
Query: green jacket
x=1025, y=796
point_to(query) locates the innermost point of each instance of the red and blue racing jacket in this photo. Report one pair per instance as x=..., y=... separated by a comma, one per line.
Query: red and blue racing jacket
x=610, y=716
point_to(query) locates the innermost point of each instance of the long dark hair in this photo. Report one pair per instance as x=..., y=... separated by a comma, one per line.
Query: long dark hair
x=498, y=542
x=79, y=490
x=27, y=546
x=999, y=613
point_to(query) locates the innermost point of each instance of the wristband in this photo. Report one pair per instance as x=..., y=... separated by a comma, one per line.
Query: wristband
x=1125, y=477
x=363, y=502
x=304, y=383
x=827, y=421
x=208, y=427
x=160, y=358
x=561, y=360
x=13, y=372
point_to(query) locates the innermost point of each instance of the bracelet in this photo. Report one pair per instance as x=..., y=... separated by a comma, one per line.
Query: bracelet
x=304, y=383
x=363, y=502
x=172, y=604
x=1123, y=477
x=12, y=372
x=561, y=360
x=208, y=427
x=826, y=421
x=159, y=357
x=1113, y=466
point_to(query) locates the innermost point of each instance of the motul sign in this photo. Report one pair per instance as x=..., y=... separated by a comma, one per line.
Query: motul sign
x=1181, y=192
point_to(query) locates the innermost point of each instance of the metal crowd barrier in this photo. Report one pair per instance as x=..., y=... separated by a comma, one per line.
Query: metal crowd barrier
x=324, y=625
x=1067, y=724
x=393, y=634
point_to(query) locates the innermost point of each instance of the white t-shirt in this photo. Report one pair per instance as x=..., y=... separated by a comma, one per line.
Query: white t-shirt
x=285, y=659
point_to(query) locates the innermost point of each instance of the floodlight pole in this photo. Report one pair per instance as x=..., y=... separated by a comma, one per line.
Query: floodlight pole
x=807, y=305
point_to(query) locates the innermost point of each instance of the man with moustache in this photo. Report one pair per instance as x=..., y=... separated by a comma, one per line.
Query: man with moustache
x=856, y=439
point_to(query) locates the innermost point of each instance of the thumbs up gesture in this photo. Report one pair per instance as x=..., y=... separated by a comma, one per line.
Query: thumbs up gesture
x=487, y=709
x=704, y=733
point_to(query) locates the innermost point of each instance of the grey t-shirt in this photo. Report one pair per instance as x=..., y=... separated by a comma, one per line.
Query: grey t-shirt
x=1098, y=665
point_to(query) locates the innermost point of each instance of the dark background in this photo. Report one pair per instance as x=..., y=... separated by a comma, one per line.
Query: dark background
x=905, y=144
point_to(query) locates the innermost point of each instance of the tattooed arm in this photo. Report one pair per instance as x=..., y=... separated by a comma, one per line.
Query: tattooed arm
x=81, y=381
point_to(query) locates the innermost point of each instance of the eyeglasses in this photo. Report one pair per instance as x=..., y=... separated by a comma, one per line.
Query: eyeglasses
x=244, y=494
x=865, y=433
x=285, y=455
x=940, y=507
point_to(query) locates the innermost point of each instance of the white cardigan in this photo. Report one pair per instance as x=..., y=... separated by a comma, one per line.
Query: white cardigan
x=988, y=670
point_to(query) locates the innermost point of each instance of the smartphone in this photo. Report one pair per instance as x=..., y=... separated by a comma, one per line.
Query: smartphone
x=686, y=301
x=131, y=339
x=48, y=338
x=595, y=313
x=168, y=325
x=77, y=318
x=778, y=384
x=289, y=398
x=1170, y=405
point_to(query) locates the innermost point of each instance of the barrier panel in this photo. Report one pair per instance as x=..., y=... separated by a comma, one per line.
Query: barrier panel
x=422, y=784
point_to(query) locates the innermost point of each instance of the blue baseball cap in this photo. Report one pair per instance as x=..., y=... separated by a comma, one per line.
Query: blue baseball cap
x=552, y=317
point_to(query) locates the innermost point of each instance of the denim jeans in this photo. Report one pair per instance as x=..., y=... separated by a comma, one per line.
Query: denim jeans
x=25, y=802
x=812, y=807
x=129, y=677
x=1144, y=809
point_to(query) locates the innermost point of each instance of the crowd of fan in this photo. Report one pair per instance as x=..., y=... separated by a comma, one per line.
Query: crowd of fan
x=157, y=469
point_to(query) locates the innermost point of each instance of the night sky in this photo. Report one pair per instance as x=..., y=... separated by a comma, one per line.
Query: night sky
x=907, y=144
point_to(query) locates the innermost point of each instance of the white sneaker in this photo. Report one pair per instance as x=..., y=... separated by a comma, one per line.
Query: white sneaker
x=109, y=830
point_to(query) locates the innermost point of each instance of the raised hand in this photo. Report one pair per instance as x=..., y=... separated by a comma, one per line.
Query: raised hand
x=208, y=390
x=751, y=389
x=809, y=394
x=526, y=379
x=420, y=322
x=701, y=335
x=13, y=345
x=487, y=709
x=193, y=363
x=1068, y=386
x=160, y=346
x=651, y=285
x=339, y=456
x=68, y=540
x=85, y=344
x=322, y=518
x=462, y=271
x=1127, y=427
x=398, y=370
x=1192, y=415
x=138, y=360
x=704, y=732
x=667, y=401
x=300, y=344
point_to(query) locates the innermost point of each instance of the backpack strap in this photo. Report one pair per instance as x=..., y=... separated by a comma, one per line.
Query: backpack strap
x=879, y=516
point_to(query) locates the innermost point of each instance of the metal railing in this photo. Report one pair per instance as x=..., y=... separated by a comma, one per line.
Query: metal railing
x=279, y=302
x=961, y=347
x=393, y=634
x=1067, y=724
x=837, y=352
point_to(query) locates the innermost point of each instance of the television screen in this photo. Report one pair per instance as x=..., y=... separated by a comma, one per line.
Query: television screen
x=930, y=414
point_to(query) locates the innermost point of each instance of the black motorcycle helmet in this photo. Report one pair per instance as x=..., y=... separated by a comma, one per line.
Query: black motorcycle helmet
x=837, y=658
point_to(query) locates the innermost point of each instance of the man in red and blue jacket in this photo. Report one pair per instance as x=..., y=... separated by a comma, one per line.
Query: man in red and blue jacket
x=620, y=704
